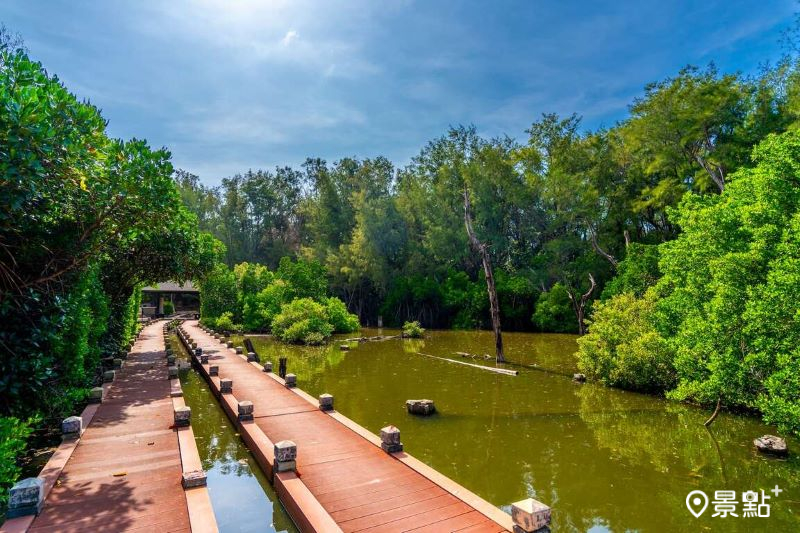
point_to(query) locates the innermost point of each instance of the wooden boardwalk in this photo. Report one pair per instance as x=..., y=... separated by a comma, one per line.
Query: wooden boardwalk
x=125, y=472
x=344, y=480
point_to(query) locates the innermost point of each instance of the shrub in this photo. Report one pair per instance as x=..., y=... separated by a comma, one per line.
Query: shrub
x=260, y=309
x=623, y=348
x=13, y=434
x=225, y=323
x=340, y=319
x=169, y=308
x=302, y=321
x=413, y=330
x=554, y=311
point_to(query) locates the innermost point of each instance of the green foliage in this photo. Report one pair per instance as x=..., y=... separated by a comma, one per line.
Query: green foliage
x=302, y=321
x=13, y=435
x=554, y=311
x=84, y=221
x=338, y=316
x=169, y=307
x=636, y=273
x=623, y=348
x=413, y=330
x=225, y=323
x=219, y=293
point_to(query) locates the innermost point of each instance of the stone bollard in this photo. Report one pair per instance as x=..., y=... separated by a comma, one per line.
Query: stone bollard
x=390, y=440
x=285, y=456
x=26, y=497
x=251, y=356
x=118, y=363
x=171, y=360
x=96, y=395
x=245, y=408
x=172, y=372
x=72, y=427
x=239, y=350
x=198, y=352
x=326, y=402
x=213, y=370
x=108, y=376
x=529, y=515
x=195, y=478
x=226, y=385
x=168, y=350
x=183, y=416
x=229, y=344
x=194, y=345
x=204, y=359
x=268, y=366
x=291, y=381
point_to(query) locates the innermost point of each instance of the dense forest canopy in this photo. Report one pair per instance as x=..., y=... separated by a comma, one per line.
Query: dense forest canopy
x=558, y=212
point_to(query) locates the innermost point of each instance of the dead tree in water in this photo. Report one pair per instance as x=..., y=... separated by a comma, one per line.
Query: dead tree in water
x=494, y=306
x=579, y=304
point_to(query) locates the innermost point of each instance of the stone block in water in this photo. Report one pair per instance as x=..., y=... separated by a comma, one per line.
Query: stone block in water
x=420, y=407
x=772, y=445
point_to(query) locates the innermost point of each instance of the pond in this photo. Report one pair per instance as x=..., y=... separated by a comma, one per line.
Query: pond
x=603, y=459
x=242, y=497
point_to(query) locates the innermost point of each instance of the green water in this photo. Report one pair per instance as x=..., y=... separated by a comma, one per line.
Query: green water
x=242, y=497
x=603, y=459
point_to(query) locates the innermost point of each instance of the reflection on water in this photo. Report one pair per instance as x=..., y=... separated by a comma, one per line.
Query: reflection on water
x=604, y=459
x=242, y=498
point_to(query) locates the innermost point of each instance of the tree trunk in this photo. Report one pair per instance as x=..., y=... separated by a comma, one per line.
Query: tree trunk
x=714, y=414
x=579, y=304
x=607, y=256
x=494, y=306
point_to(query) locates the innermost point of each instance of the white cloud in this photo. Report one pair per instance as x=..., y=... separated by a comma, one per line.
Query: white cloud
x=290, y=36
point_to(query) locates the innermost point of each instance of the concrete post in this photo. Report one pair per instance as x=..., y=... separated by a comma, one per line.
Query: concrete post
x=183, y=416
x=204, y=359
x=229, y=344
x=172, y=372
x=529, y=515
x=239, y=350
x=226, y=385
x=96, y=395
x=26, y=497
x=198, y=352
x=326, y=402
x=390, y=440
x=268, y=366
x=108, y=376
x=285, y=456
x=245, y=409
x=213, y=370
x=118, y=363
x=72, y=427
x=291, y=381
x=195, y=478
x=251, y=356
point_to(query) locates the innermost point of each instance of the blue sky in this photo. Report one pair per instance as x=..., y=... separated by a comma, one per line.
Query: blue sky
x=230, y=85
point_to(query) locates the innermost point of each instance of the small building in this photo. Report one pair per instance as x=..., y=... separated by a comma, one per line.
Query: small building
x=185, y=298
